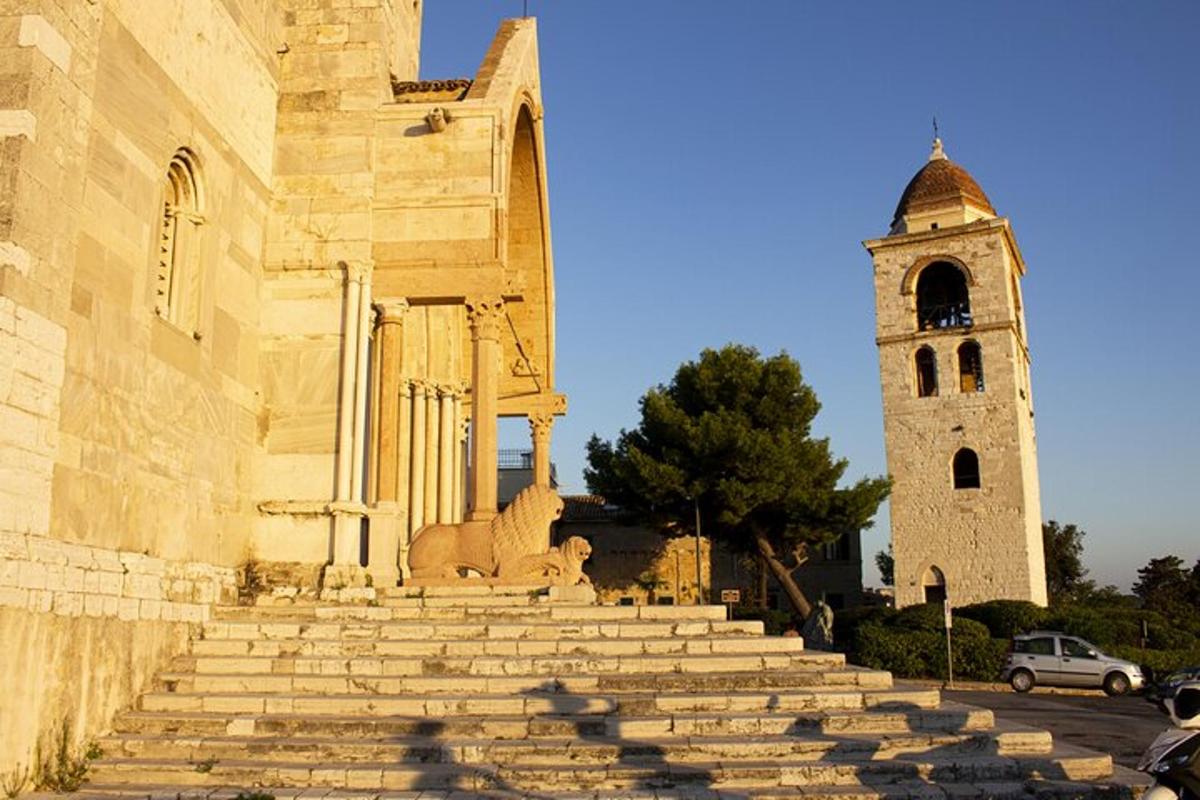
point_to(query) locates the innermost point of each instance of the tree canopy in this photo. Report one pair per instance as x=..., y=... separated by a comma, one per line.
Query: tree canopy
x=1066, y=577
x=885, y=562
x=1167, y=586
x=732, y=432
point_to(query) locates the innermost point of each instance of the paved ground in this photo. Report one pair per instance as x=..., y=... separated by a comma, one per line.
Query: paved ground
x=1120, y=726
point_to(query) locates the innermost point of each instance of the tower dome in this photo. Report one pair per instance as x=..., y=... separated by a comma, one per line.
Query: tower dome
x=940, y=189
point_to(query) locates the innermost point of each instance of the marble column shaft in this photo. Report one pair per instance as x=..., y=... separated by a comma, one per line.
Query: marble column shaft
x=432, y=440
x=485, y=315
x=540, y=427
x=388, y=433
x=446, y=437
x=416, y=483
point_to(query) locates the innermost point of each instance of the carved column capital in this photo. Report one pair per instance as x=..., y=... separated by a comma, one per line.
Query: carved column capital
x=420, y=387
x=540, y=426
x=356, y=271
x=485, y=315
x=390, y=311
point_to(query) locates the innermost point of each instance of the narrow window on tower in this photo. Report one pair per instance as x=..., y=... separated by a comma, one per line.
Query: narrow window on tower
x=926, y=363
x=942, y=298
x=177, y=283
x=970, y=367
x=966, y=469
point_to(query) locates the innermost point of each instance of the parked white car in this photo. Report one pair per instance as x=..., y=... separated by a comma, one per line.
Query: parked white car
x=1052, y=658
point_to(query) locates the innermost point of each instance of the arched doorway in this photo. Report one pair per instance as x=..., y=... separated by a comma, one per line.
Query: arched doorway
x=933, y=585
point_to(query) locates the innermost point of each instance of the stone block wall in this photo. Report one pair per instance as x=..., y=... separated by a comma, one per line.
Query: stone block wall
x=126, y=445
x=986, y=541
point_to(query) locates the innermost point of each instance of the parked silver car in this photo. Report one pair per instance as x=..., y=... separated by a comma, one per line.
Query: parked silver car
x=1052, y=658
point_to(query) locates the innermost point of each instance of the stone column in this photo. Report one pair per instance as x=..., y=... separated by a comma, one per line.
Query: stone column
x=540, y=425
x=416, y=482
x=404, y=454
x=389, y=349
x=361, y=371
x=387, y=520
x=432, y=441
x=485, y=315
x=446, y=437
x=351, y=408
x=345, y=444
x=460, y=452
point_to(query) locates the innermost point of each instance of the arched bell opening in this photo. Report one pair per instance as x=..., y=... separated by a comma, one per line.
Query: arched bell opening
x=942, y=297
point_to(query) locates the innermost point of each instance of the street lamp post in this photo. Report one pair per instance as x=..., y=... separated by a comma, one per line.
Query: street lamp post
x=699, y=574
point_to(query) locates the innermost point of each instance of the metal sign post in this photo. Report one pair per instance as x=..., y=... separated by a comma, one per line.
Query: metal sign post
x=949, y=649
x=729, y=597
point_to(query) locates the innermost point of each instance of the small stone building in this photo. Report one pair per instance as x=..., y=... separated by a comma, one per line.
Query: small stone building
x=957, y=403
x=831, y=573
x=632, y=564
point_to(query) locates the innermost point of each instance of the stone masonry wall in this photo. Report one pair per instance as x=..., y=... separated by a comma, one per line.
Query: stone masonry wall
x=986, y=541
x=126, y=445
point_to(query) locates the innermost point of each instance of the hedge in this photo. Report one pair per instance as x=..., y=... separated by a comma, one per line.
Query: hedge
x=914, y=653
x=911, y=642
x=1159, y=663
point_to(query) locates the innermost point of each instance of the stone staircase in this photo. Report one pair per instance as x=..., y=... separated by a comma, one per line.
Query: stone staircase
x=501, y=692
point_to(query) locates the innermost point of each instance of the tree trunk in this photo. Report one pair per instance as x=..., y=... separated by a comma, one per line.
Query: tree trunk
x=784, y=576
x=760, y=588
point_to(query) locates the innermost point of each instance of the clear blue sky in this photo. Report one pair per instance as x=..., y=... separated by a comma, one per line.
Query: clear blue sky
x=714, y=166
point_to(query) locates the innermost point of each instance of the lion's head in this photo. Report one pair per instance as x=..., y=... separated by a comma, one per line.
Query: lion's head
x=577, y=549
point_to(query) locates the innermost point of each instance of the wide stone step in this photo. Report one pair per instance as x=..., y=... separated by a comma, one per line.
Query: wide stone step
x=800, y=676
x=579, y=748
x=736, y=682
x=445, y=706
x=900, y=790
x=646, y=773
x=558, y=612
x=585, y=664
x=426, y=648
x=267, y=630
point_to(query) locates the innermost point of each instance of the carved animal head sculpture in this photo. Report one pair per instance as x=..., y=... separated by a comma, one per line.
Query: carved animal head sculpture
x=437, y=120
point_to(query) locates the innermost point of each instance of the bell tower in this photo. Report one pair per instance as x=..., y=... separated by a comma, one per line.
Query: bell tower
x=957, y=406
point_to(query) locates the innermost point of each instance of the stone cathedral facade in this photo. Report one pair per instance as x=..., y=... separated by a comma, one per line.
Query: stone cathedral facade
x=957, y=404
x=263, y=295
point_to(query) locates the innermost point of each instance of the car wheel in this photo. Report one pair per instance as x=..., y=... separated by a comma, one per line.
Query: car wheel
x=1116, y=684
x=1021, y=680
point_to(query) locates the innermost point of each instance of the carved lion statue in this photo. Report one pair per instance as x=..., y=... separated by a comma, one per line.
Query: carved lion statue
x=562, y=565
x=502, y=547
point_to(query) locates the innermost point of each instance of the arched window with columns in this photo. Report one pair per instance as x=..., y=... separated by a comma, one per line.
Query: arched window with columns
x=178, y=279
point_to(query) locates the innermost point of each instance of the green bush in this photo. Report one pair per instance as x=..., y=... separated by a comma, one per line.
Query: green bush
x=925, y=617
x=1112, y=627
x=903, y=653
x=909, y=653
x=846, y=622
x=1159, y=663
x=1005, y=618
x=910, y=642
